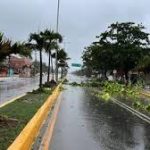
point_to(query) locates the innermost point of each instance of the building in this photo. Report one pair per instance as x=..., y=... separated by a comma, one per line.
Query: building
x=16, y=65
x=21, y=66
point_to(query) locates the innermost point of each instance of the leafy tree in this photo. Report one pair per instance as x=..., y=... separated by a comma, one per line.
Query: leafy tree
x=128, y=42
x=144, y=64
x=87, y=61
x=124, y=46
x=97, y=58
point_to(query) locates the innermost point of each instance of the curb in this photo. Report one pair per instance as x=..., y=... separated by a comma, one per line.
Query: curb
x=133, y=111
x=145, y=94
x=12, y=100
x=46, y=140
x=27, y=136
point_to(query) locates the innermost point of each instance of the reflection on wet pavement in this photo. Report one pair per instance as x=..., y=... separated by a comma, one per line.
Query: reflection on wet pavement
x=115, y=128
x=11, y=88
x=86, y=123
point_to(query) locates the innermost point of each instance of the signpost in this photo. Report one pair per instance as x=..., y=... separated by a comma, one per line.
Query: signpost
x=75, y=65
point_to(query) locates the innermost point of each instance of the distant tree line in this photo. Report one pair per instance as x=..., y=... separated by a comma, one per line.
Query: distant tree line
x=123, y=47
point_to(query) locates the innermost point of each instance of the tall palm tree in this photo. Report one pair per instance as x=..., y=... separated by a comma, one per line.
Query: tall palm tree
x=62, y=57
x=37, y=43
x=51, y=39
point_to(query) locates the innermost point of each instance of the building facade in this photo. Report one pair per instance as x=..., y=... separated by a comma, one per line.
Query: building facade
x=15, y=65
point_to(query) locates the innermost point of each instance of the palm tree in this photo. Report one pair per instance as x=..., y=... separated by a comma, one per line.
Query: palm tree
x=21, y=49
x=5, y=47
x=18, y=48
x=62, y=57
x=51, y=38
x=37, y=43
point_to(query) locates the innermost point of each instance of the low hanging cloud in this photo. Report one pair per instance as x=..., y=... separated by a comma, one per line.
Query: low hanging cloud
x=80, y=20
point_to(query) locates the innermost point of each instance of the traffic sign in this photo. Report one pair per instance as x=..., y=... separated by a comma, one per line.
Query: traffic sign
x=76, y=65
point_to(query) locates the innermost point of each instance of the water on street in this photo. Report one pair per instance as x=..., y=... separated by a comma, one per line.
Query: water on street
x=86, y=123
x=15, y=87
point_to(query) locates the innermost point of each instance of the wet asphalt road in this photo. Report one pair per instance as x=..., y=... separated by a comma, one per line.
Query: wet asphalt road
x=15, y=87
x=86, y=123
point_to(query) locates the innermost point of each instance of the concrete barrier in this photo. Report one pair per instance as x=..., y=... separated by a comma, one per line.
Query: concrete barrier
x=26, y=138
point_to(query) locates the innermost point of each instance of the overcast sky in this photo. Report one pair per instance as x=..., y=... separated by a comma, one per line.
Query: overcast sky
x=80, y=20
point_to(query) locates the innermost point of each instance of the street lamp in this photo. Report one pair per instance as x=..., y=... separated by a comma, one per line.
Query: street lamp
x=58, y=8
x=57, y=26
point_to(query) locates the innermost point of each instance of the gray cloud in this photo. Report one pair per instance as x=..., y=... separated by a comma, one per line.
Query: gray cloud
x=80, y=20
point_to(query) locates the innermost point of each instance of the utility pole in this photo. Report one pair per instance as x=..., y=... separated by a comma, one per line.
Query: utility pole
x=57, y=28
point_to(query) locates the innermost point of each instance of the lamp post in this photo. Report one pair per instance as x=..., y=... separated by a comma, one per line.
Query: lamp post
x=57, y=26
x=58, y=8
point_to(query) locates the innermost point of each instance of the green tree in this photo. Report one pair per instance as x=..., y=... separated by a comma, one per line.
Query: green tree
x=51, y=38
x=144, y=64
x=37, y=43
x=62, y=60
x=21, y=48
x=7, y=48
x=128, y=43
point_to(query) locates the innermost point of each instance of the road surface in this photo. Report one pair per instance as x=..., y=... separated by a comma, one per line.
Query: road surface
x=14, y=87
x=86, y=123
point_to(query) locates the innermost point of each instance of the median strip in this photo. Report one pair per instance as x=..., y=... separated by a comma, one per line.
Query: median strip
x=16, y=116
x=26, y=137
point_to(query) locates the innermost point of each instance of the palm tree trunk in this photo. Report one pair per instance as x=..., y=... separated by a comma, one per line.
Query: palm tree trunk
x=49, y=63
x=52, y=70
x=61, y=72
x=40, y=69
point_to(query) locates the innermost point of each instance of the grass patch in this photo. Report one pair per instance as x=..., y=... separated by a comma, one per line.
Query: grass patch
x=14, y=116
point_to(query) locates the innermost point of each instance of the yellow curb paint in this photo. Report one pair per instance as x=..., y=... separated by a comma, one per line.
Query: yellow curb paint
x=12, y=100
x=26, y=138
x=49, y=132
